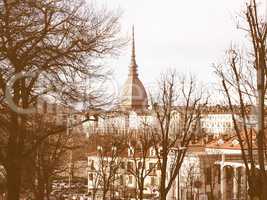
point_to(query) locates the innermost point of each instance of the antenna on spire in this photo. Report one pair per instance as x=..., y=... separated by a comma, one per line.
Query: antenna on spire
x=133, y=46
x=133, y=66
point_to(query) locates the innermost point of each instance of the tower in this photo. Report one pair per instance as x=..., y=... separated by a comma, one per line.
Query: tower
x=134, y=96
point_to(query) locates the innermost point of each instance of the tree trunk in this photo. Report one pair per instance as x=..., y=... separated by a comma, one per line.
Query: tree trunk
x=13, y=180
x=104, y=193
x=261, y=134
x=14, y=160
x=141, y=191
x=163, y=193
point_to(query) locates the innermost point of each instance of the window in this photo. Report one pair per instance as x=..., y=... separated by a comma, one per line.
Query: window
x=160, y=152
x=91, y=177
x=92, y=166
x=129, y=166
x=152, y=181
x=122, y=165
x=158, y=166
x=208, y=175
x=152, y=152
x=121, y=179
x=151, y=166
x=130, y=180
x=140, y=165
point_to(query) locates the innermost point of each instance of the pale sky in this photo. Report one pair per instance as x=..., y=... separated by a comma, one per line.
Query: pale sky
x=188, y=35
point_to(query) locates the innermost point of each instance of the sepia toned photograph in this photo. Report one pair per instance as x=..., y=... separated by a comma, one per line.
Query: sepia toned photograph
x=133, y=100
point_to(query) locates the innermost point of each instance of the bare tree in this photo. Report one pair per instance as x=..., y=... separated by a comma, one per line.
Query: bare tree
x=105, y=173
x=141, y=157
x=49, y=159
x=199, y=176
x=173, y=92
x=211, y=173
x=190, y=182
x=46, y=48
x=244, y=83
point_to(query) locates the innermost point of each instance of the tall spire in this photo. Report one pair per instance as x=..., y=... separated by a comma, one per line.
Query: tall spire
x=134, y=96
x=133, y=65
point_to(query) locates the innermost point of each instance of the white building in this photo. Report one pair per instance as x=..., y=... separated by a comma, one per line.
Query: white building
x=212, y=171
x=217, y=123
x=218, y=120
x=122, y=169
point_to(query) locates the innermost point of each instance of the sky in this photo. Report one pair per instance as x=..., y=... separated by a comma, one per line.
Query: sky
x=187, y=35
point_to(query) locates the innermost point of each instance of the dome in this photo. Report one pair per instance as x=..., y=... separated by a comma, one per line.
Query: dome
x=133, y=96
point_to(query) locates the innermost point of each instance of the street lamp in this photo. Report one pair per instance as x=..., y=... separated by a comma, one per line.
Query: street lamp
x=70, y=157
